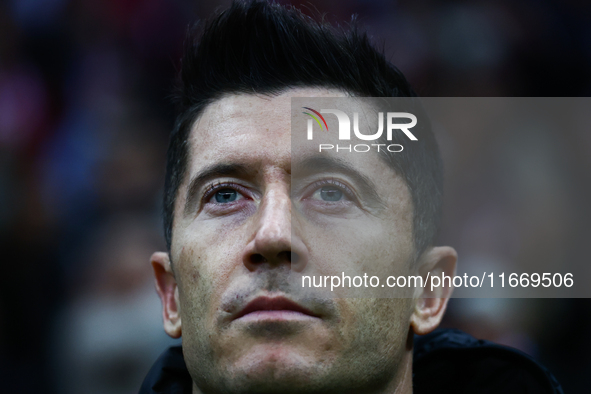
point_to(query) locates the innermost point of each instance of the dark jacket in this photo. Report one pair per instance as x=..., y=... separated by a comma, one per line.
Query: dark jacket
x=445, y=361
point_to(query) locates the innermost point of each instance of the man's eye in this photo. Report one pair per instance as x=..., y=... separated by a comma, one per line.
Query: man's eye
x=330, y=193
x=226, y=195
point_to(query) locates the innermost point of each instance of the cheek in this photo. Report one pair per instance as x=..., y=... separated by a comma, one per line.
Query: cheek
x=379, y=245
x=203, y=271
x=211, y=256
x=193, y=286
x=377, y=327
x=360, y=249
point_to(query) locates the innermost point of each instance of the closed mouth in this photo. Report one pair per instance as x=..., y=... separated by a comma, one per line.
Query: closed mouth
x=274, y=307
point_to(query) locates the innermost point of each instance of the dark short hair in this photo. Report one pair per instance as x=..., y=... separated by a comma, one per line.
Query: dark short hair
x=259, y=47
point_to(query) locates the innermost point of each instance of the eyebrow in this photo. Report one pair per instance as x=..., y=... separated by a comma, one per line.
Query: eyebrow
x=209, y=173
x=318, y=164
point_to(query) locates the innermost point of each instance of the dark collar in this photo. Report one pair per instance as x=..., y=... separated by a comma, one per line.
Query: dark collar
x=168, y=375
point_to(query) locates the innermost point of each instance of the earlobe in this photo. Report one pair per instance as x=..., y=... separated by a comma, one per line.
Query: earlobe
x=431, y=302
x=167, y=289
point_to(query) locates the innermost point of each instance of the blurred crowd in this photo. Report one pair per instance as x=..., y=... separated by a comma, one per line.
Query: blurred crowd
x=84, y=122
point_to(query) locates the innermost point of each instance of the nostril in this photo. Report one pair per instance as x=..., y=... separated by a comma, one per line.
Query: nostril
x=257, y=258
x=293, y=257
x=284, y=256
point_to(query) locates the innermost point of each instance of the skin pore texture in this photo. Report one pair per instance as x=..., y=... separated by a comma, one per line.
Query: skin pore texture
x=246, y=229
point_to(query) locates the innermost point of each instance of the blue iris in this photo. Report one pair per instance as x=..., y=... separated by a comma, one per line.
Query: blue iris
x=329, y=193
x=226, y=195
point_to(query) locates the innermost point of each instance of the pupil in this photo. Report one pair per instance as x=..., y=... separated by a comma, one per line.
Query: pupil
x=225, y=195
x=330, y=194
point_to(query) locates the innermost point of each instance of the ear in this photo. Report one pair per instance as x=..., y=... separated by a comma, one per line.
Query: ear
x=430, y=303
x=168, y=291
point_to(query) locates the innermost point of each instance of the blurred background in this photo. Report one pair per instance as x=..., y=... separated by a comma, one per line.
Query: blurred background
x=84, y=123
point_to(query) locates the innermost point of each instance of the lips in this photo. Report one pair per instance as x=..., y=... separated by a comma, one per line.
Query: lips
x=274, y=308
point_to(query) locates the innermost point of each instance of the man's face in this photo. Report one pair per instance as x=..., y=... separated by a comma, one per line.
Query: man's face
x=246, y=229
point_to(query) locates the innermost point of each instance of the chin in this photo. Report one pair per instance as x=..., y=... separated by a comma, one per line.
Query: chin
x=267, y=357
x=277, y=367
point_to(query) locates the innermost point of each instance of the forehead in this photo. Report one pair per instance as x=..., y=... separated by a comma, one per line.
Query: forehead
x=247, y=127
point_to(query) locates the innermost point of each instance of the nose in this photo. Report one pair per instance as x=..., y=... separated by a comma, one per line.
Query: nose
x=273, y=243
